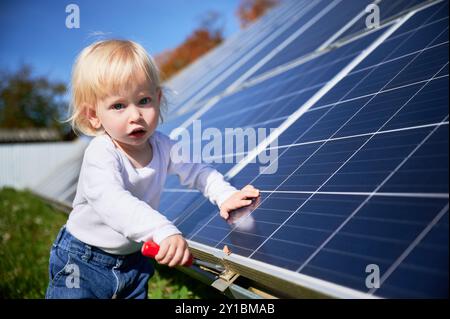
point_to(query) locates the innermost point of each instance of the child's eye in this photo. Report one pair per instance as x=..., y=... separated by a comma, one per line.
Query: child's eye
x=117, y=106
x=145, y=100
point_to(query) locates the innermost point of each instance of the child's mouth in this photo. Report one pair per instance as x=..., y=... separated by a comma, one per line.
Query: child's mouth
x=137, y=133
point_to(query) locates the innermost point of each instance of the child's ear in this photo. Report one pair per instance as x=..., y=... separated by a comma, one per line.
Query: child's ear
x=91, y=115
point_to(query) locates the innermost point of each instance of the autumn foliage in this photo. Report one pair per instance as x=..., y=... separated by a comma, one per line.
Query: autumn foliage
x=251, y=10
x=207, y=36
x=201, y=41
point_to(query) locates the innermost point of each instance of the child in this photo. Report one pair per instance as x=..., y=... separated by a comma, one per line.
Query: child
x=117, y=97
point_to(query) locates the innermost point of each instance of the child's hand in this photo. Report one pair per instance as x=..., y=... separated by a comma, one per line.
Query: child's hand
x=237, y=200
x=173, y=251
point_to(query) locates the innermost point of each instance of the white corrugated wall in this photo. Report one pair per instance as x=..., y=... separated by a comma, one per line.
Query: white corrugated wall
x=48, y=168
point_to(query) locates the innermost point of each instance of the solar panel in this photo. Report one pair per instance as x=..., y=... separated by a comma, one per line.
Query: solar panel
x=317, y=34
x=217, y=65
x=295, y=30
x=388, y=10
x=282, y=93
x=212, y=60
x=362, y=179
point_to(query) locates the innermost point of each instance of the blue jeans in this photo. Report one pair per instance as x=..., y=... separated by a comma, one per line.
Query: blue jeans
x=78, y=270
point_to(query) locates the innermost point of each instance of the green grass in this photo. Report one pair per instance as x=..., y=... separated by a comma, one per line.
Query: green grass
x=28, y=227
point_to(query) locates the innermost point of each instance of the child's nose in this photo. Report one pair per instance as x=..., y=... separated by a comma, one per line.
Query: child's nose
x=135, y=112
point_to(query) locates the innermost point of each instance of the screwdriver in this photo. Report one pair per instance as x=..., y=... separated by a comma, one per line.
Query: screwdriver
x=151, y=249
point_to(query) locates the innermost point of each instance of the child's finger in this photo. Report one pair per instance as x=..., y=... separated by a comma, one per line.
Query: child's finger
x=251, y=188
x=177, y=257
x=249, y=193
x=162, y=252
x=224, y=214
x=244, y=202
x=169, y=255
x=186, y=257
x=248, y=187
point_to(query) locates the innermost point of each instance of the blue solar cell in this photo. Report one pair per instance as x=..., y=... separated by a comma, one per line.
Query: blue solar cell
x=380, y=241
x=387, y=10
x=415, y=34
x=283, y=253
x=375, y=161
x=184, y=202
x=428, y=107
x=424, y=272
x=316, y=34
x=427, y=169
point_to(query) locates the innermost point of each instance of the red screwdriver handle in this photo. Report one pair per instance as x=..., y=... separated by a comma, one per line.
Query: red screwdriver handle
x=151, y=249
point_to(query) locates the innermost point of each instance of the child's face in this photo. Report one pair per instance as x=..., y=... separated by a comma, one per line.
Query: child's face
x=119, y=114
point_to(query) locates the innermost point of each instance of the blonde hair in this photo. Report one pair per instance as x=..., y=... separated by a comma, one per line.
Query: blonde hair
x=104, y=67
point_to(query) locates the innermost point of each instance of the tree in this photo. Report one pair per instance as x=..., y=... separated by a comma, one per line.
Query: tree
x=250, y=10
x=31, y=102
x=207, y=36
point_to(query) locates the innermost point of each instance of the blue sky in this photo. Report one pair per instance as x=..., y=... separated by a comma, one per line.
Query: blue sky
x=34, y=32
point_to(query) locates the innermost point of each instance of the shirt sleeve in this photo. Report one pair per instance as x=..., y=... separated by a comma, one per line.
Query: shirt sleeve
x=202, y=177
x=103, y=187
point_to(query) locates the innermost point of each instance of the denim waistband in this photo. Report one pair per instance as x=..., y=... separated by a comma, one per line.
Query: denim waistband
x=68, y=242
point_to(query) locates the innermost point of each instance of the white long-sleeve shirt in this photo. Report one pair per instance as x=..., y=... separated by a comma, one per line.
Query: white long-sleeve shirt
x=116, y=205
